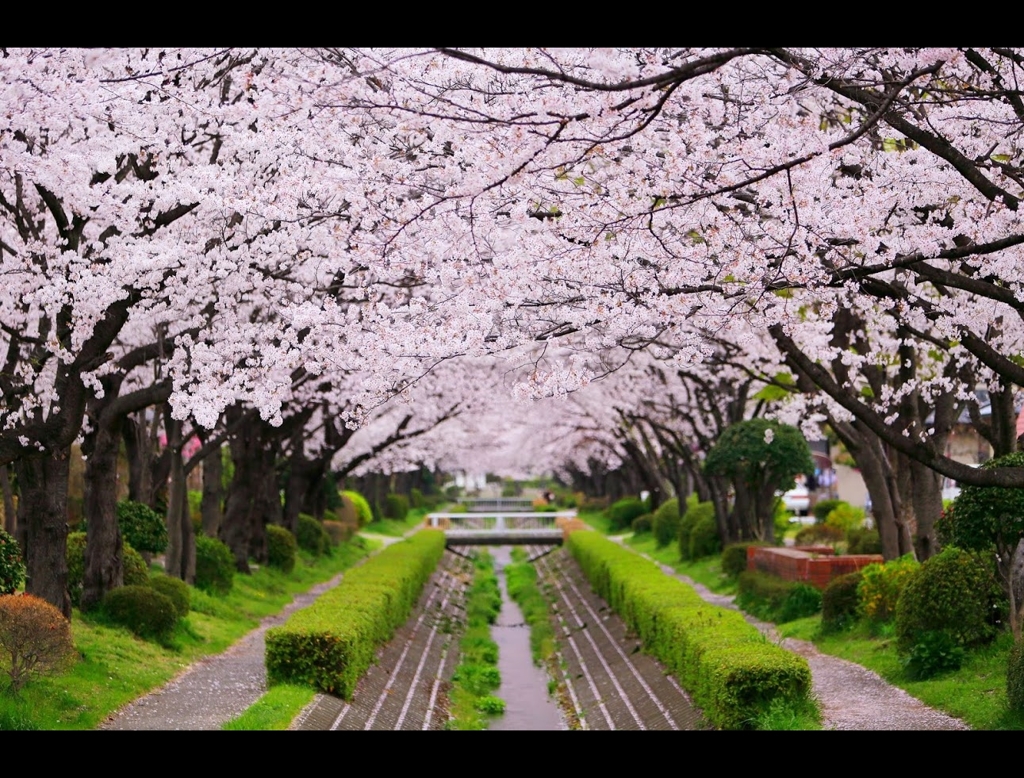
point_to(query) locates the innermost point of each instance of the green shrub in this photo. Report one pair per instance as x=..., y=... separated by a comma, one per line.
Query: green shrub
x=642, y=524
x=704, y=538
x=416, y=498
x=733, y=674
x=142, y=609
x=175, y=590
x=622, y=512
x=358, y=503
x=696, y=513
x=935, y=651
x=12, y=566
x=338, y=532
x=775, y=599
x=840, y=604
x=281, y=548
x=881, y=585
x=956, y=592
x=396, y=506
x=822, y=508
x=1015, y=678
x=819, y=535
x=734, y=557
x=135, y=571
x=863, y=541
x=666, y=522
x=845, y=517
x=142, y=527
x=311, y=536
x=215, y=565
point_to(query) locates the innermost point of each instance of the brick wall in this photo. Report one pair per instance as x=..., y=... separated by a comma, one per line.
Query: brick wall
x=809, y=564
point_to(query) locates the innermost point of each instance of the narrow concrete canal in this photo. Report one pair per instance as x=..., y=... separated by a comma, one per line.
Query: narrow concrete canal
x=524, y=686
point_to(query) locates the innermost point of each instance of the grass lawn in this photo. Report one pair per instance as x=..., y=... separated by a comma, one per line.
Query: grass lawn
x=115, y=667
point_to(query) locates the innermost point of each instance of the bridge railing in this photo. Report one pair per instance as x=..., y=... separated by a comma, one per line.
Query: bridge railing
x=480, y=504
x=497, y=521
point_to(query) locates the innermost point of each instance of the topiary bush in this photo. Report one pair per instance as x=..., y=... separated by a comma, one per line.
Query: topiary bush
x=666, y=522
x=1015, y=678
x=215, y=565
x=142, y=609
x=734, y=557
x=642, y=524
x=863, y=541
x=142, y=527
x=704, y=539
x=176, y=591
x=35, y=638
x=955, y=591
x=12, y=564
x=311, y=536
x=622, y=512
x=881, y=585
x=281, y=548
x=696, y=513
x=845, y=517
x=775, y=599
x=818, y=535
x=338, y=532
x=840, y=604
x=822, y=508
x=355, y=502
x=135, y=571
x=396, y=506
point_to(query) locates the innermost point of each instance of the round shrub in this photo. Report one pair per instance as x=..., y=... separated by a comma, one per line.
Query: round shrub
x=818, y=535
x=142, y=527
x=822, y=508
x=863, y=541
x=734, y=557
x=956, y=592
x=281, y=548
x=338, y=532
x=666, y=522
x=695, y=513
x=142, y=609
x=845, y=517
x=175, y=590
x=354, y=501
x=1015, y=678
x=12, y=566
x=215, y=565
x=881, y=585
x=704, y=540
x=35, y=638
x=622, y=512
x=642, y=524
x=135, y=571
x=311, y=535
x=840, y=603
x=935, y=651
x=396, y=506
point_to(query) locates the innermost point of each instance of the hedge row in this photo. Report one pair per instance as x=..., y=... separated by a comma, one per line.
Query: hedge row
x=724, y=662
x=330, y=644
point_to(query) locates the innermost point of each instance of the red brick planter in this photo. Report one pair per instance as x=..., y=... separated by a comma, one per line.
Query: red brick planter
x=814, y=565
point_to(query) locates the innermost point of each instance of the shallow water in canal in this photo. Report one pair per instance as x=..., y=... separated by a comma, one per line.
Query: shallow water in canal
x=524, y=686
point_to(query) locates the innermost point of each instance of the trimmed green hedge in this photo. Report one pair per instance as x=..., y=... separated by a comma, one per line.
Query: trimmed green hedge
x=732, y=673
x=330, y=644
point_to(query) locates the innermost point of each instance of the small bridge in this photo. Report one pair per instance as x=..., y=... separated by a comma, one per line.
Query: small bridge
x=500, y=528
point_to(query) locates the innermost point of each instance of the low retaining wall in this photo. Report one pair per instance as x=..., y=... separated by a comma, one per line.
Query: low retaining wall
x=808, y=565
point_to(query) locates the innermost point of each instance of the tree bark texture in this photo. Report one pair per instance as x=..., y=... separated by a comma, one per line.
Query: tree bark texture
x=43, y=515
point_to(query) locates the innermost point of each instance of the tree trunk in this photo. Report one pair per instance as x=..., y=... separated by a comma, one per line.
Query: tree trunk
x=10, y=514
x=181, y=551
x=104, y=569
x=43, y=516
x=213, y=493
